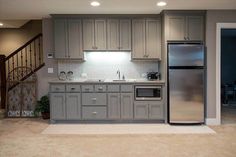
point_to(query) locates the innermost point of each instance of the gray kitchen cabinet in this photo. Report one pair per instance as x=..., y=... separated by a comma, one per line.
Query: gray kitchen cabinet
x=68, y=39
x=141, y=110
x=75, y=50
x=195, y=27
x=156, y=110
x=88, y=34
x=127, y=105
x=113, y=38
x=138, y=38
x=58, y=106
x=153, y=38
x=94, y=34
x=149, y=110
x=60, y=38
x=114, y=105
x=125, y=34
x=94, y=113
x=146, y=39
x=73, y=106
x=184, y=27
x=94, y=99
x=118, y=34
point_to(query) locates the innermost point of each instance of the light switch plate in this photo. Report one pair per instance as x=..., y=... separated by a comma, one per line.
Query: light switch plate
x=50, y=70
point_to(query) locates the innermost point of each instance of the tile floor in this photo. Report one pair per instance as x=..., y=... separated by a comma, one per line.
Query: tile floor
x=23, y=138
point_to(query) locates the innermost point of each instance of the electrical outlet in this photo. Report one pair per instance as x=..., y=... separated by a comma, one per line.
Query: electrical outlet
x=50, y=70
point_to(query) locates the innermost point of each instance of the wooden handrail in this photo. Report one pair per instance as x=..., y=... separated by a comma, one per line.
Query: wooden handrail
x=23, y=46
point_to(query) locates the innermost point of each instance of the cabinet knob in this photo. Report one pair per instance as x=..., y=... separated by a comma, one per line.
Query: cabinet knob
x=94, y=99
x=100, y=88
x=72, y=89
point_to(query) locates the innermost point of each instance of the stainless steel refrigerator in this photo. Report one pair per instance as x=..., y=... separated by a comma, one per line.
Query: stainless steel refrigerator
x=186, y=83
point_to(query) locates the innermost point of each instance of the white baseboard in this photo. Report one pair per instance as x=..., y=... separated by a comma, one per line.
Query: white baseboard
x=212, y=121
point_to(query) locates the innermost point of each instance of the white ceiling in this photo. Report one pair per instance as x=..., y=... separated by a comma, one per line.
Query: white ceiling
x=36, y=9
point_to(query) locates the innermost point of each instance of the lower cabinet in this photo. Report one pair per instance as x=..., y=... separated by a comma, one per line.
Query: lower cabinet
x=114, y=105
x=58, y=106
x=127, y=106
x=73, y=106
x=140, y=110
x=148, y=110
x=94, y=113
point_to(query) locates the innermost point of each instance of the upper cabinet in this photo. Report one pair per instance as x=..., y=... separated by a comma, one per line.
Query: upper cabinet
x=68, y=39
x=94, y=34
x=118, y=34
x=146, y=39
x=185, y=27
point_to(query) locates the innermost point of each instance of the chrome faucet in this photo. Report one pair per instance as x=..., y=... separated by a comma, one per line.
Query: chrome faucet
x=118, y=72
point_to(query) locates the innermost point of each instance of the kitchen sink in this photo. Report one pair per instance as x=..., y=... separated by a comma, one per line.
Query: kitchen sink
x=119, y=80
x=94, y=80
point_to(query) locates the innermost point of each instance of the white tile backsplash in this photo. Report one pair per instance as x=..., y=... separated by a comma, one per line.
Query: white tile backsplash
x=104, y=65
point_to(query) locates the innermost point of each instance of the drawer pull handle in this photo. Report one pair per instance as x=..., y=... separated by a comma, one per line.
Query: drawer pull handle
x=100, y=88
x=94, y=113
x=72, y=88
x=57, y=88
x=94, y=99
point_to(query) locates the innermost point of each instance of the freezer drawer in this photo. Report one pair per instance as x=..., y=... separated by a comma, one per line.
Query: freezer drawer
x=186, y=95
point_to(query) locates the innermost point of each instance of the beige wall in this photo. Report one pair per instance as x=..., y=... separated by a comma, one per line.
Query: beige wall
x=43, y=76
x=213, y=17
x=13, y=38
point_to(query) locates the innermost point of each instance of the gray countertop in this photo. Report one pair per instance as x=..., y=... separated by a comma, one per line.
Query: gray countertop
x=109, y=81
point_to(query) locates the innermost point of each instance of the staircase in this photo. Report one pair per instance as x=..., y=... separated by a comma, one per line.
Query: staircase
x=15, y=67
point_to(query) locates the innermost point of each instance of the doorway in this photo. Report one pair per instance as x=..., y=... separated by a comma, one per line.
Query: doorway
x=225, y=77
x=228, y=76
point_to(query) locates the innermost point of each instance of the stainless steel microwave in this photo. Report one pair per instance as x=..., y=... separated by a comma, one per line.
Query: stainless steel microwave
x=148, y=92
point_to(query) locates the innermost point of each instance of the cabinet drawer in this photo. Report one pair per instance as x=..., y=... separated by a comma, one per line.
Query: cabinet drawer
x=100, y=88
x=87, y=88
x=94, y=113
x=57, y=88
x=113, y=88
x=94, y=99
x=72, y=88
x=126, y=88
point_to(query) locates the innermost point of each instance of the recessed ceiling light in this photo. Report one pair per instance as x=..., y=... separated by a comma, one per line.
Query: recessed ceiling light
x=161, y=3
x=1, y=24
x=95, y=4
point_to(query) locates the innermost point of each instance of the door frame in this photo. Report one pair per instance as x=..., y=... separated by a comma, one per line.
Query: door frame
x=219, y=27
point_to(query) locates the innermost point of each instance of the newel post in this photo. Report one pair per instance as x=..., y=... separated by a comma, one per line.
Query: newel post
x=3, y=81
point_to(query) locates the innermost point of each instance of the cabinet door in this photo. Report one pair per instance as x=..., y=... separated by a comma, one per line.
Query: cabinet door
x=75, y=39
x=57, y=103
x=156, y=110
x=125, y=34
x=114, y=105
x=127, y=105
x=140, y=110
x=153, y=38
x=88, y=34
x=113, y=34
x=73, y=106
x=195, y=27
x=60, y=38
x=138, y=38
x=100, y=34
x=176, y=28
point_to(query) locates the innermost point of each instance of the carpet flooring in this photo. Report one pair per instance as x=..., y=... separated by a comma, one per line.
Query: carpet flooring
x=24, y=138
